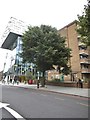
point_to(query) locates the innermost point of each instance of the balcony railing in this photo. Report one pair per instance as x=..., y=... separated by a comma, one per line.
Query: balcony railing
x=85, y=52
x=85, y=61
x=81, y=44
x=85, y=70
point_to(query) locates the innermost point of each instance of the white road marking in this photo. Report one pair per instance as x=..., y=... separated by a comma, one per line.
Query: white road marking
x=43, y=94
x=83, y=104
x=59, y=98
x=11, y=111
x=2, y=105
x=14, y=113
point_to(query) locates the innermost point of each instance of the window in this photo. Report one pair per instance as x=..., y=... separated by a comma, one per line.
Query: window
x=82, y=47
x=83, y=56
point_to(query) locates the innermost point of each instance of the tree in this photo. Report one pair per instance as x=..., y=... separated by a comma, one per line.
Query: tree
x=29, y=75
x=84, y=24
x=44, y=47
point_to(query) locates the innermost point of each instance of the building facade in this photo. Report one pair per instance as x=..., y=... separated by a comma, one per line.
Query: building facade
x=12, y=40
x=80, y=60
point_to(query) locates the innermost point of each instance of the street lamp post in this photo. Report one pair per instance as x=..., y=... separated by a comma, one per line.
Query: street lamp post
x=38, y=79
x=4, y=65
x=5, y=61
x=62, y=76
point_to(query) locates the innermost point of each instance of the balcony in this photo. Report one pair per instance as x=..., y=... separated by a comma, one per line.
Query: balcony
x=84, y=61
x=81, y=44
x=83, y=52
x=85, y=70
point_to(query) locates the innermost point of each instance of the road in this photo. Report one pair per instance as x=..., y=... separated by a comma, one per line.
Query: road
x=31, y=103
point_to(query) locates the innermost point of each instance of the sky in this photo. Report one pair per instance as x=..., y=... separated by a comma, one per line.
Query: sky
x=56, y=13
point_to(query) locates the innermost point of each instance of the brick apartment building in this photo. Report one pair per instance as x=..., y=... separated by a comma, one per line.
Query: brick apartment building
x=80, y=60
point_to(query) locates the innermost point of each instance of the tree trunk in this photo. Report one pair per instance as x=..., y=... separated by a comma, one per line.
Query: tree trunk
x=43, y=80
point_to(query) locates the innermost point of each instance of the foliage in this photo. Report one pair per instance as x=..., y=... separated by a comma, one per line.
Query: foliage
x=29, y=76
x=54, y=81
x=44, y=47
x=84, y=24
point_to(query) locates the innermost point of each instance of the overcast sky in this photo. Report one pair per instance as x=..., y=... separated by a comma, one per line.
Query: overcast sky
x=56, y=13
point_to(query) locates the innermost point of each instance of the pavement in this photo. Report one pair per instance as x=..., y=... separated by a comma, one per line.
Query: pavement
x=81, y=92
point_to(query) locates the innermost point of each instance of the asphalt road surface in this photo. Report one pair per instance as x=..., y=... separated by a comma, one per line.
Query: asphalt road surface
x=26, y=103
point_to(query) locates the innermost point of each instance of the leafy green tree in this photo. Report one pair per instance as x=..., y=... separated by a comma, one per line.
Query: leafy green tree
x=29, y=76
x=44, y=47
x=84, y=24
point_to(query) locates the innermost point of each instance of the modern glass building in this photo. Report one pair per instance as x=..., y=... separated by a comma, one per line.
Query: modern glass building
x=12, y=40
